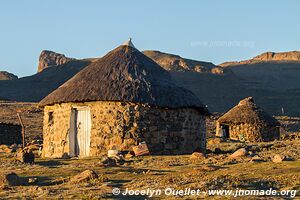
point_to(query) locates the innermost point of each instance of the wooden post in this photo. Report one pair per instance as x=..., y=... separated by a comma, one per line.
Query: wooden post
x=23, y=130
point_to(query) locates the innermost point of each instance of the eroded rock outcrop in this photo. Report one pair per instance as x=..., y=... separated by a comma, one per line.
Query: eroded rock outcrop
x=292, y=56
x=7, y=76
x=50, y=58
x=272, y=56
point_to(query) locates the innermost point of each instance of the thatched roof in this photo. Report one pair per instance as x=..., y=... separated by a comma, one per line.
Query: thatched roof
x=248, y=112
x=124, y=74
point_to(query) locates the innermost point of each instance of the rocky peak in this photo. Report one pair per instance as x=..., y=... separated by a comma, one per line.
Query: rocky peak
x=50, y=58
x=172, y=62
x=7, y=76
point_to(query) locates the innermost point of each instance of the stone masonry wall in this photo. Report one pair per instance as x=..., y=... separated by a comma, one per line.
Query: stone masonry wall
x=10, y=134
x=123, y=125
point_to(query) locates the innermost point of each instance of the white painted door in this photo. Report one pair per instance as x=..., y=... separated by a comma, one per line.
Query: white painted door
x=83, y=132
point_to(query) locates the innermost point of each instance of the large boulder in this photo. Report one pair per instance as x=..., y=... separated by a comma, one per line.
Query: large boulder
x=50, y=58
x=239, y=153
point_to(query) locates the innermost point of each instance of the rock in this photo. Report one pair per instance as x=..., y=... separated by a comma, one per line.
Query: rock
x=239, y=153
x=128, y=156
x=198, y=155
x=272, y=56
x=256, y=159
x=208, y=168
x=14, y=147
x=25, y=156
x=278, y=158
x=84, y=176
x=172, y=62
x=109, y=162
x=251, y=154
x=7, y=76
x=5, y=149
x=50, y=58
x=10, y=179
x=32, y=180
x=267, y=57
x=217, y=70
x=215, y=141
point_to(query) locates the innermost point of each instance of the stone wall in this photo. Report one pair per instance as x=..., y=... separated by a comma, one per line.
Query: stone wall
x=122, y=125
x=252, y=133
x=10, y=134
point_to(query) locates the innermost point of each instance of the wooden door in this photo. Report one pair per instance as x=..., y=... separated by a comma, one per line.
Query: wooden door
x=82, y=132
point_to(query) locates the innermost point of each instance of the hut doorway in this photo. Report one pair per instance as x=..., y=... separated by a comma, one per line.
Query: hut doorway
x=225, y=130
x=80, y=135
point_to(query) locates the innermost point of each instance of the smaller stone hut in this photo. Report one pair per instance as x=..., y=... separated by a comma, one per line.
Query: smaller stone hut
x=248, y=122
x=10, y=134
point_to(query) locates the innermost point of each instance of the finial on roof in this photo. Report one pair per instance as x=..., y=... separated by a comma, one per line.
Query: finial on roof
x=246, y=101
x=129, y=43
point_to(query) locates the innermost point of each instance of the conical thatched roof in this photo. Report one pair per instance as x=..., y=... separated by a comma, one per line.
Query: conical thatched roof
x=124, y=74
x=247, y=112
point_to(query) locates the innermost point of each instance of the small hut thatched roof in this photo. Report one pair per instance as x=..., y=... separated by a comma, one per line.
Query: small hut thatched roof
x=248, y=112
x=124, y=74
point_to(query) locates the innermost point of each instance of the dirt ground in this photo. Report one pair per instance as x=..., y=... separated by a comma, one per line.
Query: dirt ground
x=217, y=171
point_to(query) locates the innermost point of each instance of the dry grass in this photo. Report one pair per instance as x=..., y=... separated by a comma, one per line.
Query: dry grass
x=32, y=117
x=217, y=171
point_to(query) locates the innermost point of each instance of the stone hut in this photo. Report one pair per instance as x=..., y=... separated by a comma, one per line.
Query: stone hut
x=248, y=122
x=10, y=133
x=118, y=101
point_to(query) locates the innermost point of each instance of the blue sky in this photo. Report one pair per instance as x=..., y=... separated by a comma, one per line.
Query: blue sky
x=211, y=30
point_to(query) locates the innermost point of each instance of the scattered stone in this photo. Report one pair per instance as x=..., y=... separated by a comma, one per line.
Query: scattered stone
x=198, y=155
x=239, y=153
x=112, y=153
x=128, y=156
x=278, y=158
x=10, y=179
x=25, y=156
x=32, y=180
x=256, y=159
x=251, y=153
x=216, y=141
x=84, y=176
x=109, y=162
x=5, y=149
x=209, y=168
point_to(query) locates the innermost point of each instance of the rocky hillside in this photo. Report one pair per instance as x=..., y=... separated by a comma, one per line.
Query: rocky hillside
x=7, y=76
x=284, y=57
x=34, y=88
x=176, y=63
x=50, y=58
x=275, y=85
